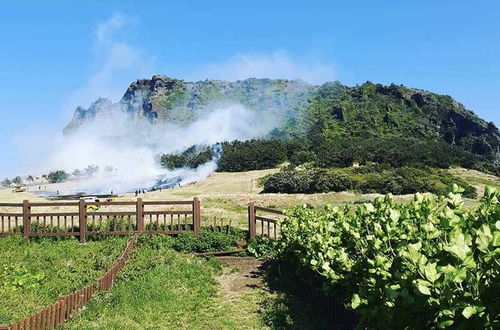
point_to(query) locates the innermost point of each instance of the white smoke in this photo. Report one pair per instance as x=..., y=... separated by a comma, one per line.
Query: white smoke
x=276, y=65
x=132, y=147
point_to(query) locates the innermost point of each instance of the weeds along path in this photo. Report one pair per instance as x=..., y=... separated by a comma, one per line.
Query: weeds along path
x=162, y=289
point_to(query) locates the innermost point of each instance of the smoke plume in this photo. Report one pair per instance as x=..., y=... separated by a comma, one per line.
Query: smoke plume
x=126, y=151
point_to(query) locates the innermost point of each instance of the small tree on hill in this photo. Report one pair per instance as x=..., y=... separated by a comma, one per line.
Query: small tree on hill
x=57, y=176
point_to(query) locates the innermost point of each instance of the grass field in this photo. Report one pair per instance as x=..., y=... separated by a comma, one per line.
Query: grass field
x=33, y=274
x=223, y=196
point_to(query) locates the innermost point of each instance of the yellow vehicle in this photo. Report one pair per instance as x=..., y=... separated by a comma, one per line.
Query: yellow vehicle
x=92, y=199
x=20, y=188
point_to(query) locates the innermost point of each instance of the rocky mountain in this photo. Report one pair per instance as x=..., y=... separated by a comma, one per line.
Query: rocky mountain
x=303, y=110
x=163, y=99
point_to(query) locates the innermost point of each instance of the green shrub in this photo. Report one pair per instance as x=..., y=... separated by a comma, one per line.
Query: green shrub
x=214, y=241
x=260, y=246
x=370, y=178
x=208, y=240
x=185, y=242
x=426, y=264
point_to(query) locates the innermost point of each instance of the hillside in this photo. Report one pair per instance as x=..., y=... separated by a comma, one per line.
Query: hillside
x=299, y=109
x=162, y=99
x=374, y=110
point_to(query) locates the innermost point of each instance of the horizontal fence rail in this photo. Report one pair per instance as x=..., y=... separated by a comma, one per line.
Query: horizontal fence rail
x=59, y=312
x=84, y=218
x=263, y=221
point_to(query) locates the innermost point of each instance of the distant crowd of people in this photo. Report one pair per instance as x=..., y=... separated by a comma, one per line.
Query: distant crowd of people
x=137, y=192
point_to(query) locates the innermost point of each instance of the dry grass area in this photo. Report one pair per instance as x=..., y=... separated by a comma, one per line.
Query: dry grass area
x=225, y=196
x=477, y=179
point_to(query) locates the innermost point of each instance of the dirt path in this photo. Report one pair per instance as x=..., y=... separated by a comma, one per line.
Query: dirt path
x=241, y=274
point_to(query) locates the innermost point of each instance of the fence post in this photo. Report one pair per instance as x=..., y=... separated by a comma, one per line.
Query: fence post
x=4, y=327
x=139, y=209
x=62, y=310
x=196, y=217
x=251, y=221
x=26, y=218
x=82, y=214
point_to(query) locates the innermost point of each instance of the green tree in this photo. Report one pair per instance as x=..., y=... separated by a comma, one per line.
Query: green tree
x=251, y=155
x=91, y=169
x=57, y=176
x=6, y=182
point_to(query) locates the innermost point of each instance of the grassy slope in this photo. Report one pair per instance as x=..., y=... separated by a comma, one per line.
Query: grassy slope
x=160, y=289
x=34, y=274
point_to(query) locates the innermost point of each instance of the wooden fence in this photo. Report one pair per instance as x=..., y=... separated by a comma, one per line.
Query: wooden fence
x=259, y=225
x=60, y=311
x=77, y=219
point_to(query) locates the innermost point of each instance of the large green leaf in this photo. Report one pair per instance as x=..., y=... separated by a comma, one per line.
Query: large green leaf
x=469, y=311
x=355, y=301
x=482, y=241
x=458, y=252
x=423, y=290
x=496, y=239
x=430, y=272
x=413, y=250
x=459, y=275
x=445, y=324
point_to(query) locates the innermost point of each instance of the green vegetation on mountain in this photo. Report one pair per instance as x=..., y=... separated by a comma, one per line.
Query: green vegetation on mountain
x=192, y=157
x=328, y=126
x=375, y=111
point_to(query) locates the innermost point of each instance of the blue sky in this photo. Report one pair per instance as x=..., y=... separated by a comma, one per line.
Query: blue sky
x=56, y=55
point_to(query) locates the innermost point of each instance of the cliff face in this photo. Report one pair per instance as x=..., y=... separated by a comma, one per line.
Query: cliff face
x=163, y=99
x=368, y=110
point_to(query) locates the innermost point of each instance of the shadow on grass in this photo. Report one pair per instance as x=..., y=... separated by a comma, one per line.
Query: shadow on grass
x=295, y=303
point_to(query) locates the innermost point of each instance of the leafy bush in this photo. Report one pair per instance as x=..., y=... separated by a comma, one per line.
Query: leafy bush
x=208, y=240
x=214, y=241
x=192, y=157
x=260, y=246
x=365, y=179
x=185, y=242
x=251, y=155
x=426, y=264
x=289, y=180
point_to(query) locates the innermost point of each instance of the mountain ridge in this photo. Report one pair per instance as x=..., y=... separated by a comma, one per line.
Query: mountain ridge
x=369, y=110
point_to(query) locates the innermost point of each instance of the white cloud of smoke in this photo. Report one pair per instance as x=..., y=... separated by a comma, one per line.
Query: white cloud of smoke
x=277, y=65
x=132, y=148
